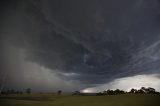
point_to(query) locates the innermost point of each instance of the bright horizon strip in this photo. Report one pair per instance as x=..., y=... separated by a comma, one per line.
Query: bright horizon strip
x=127, y=83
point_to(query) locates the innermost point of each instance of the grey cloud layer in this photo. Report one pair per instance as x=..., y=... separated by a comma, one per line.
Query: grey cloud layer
x=96, y=41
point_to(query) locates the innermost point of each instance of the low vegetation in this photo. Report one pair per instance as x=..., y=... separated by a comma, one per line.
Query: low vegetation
x=77, y=100
x=141, y=97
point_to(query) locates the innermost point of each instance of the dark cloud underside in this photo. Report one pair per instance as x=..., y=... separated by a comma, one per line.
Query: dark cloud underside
x=97, y=40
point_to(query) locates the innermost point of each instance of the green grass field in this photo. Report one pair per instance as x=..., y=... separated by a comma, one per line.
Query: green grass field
x=70, y=100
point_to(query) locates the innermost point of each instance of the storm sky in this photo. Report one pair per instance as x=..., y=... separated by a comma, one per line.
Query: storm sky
x=78, y=44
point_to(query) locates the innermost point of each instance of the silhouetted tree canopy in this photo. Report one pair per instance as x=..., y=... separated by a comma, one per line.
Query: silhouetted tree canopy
x=142, y=90
x=59, y=92
x=28, y=90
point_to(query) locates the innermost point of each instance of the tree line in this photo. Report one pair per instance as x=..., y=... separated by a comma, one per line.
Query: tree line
x=12, y=91
x=142, y=90
x=27, y=91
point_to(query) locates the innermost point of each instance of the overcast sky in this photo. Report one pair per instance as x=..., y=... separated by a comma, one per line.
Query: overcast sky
x=80, y=44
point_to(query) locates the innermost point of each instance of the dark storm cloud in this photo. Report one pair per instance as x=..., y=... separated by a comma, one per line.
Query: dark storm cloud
x=96, y=41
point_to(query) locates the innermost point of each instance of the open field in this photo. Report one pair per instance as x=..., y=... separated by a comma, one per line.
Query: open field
x=70, y=100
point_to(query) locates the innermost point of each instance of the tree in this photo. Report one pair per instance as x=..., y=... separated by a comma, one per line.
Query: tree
x=76, y=93
x=133, y=91
x=105, y=92
x=117, y=91
x=121, y=92
x=143, y=89
x=140, y=91
x=110, y=92
x=12, y=91
x=150, y=90
x=99, y=93
x=28, y=90
x=59, y=92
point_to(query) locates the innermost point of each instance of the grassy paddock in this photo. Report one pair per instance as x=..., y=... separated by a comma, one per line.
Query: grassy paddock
x=69, y=100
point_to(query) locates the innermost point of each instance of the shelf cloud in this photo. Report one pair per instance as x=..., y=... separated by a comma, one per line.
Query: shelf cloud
x=77, y=41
